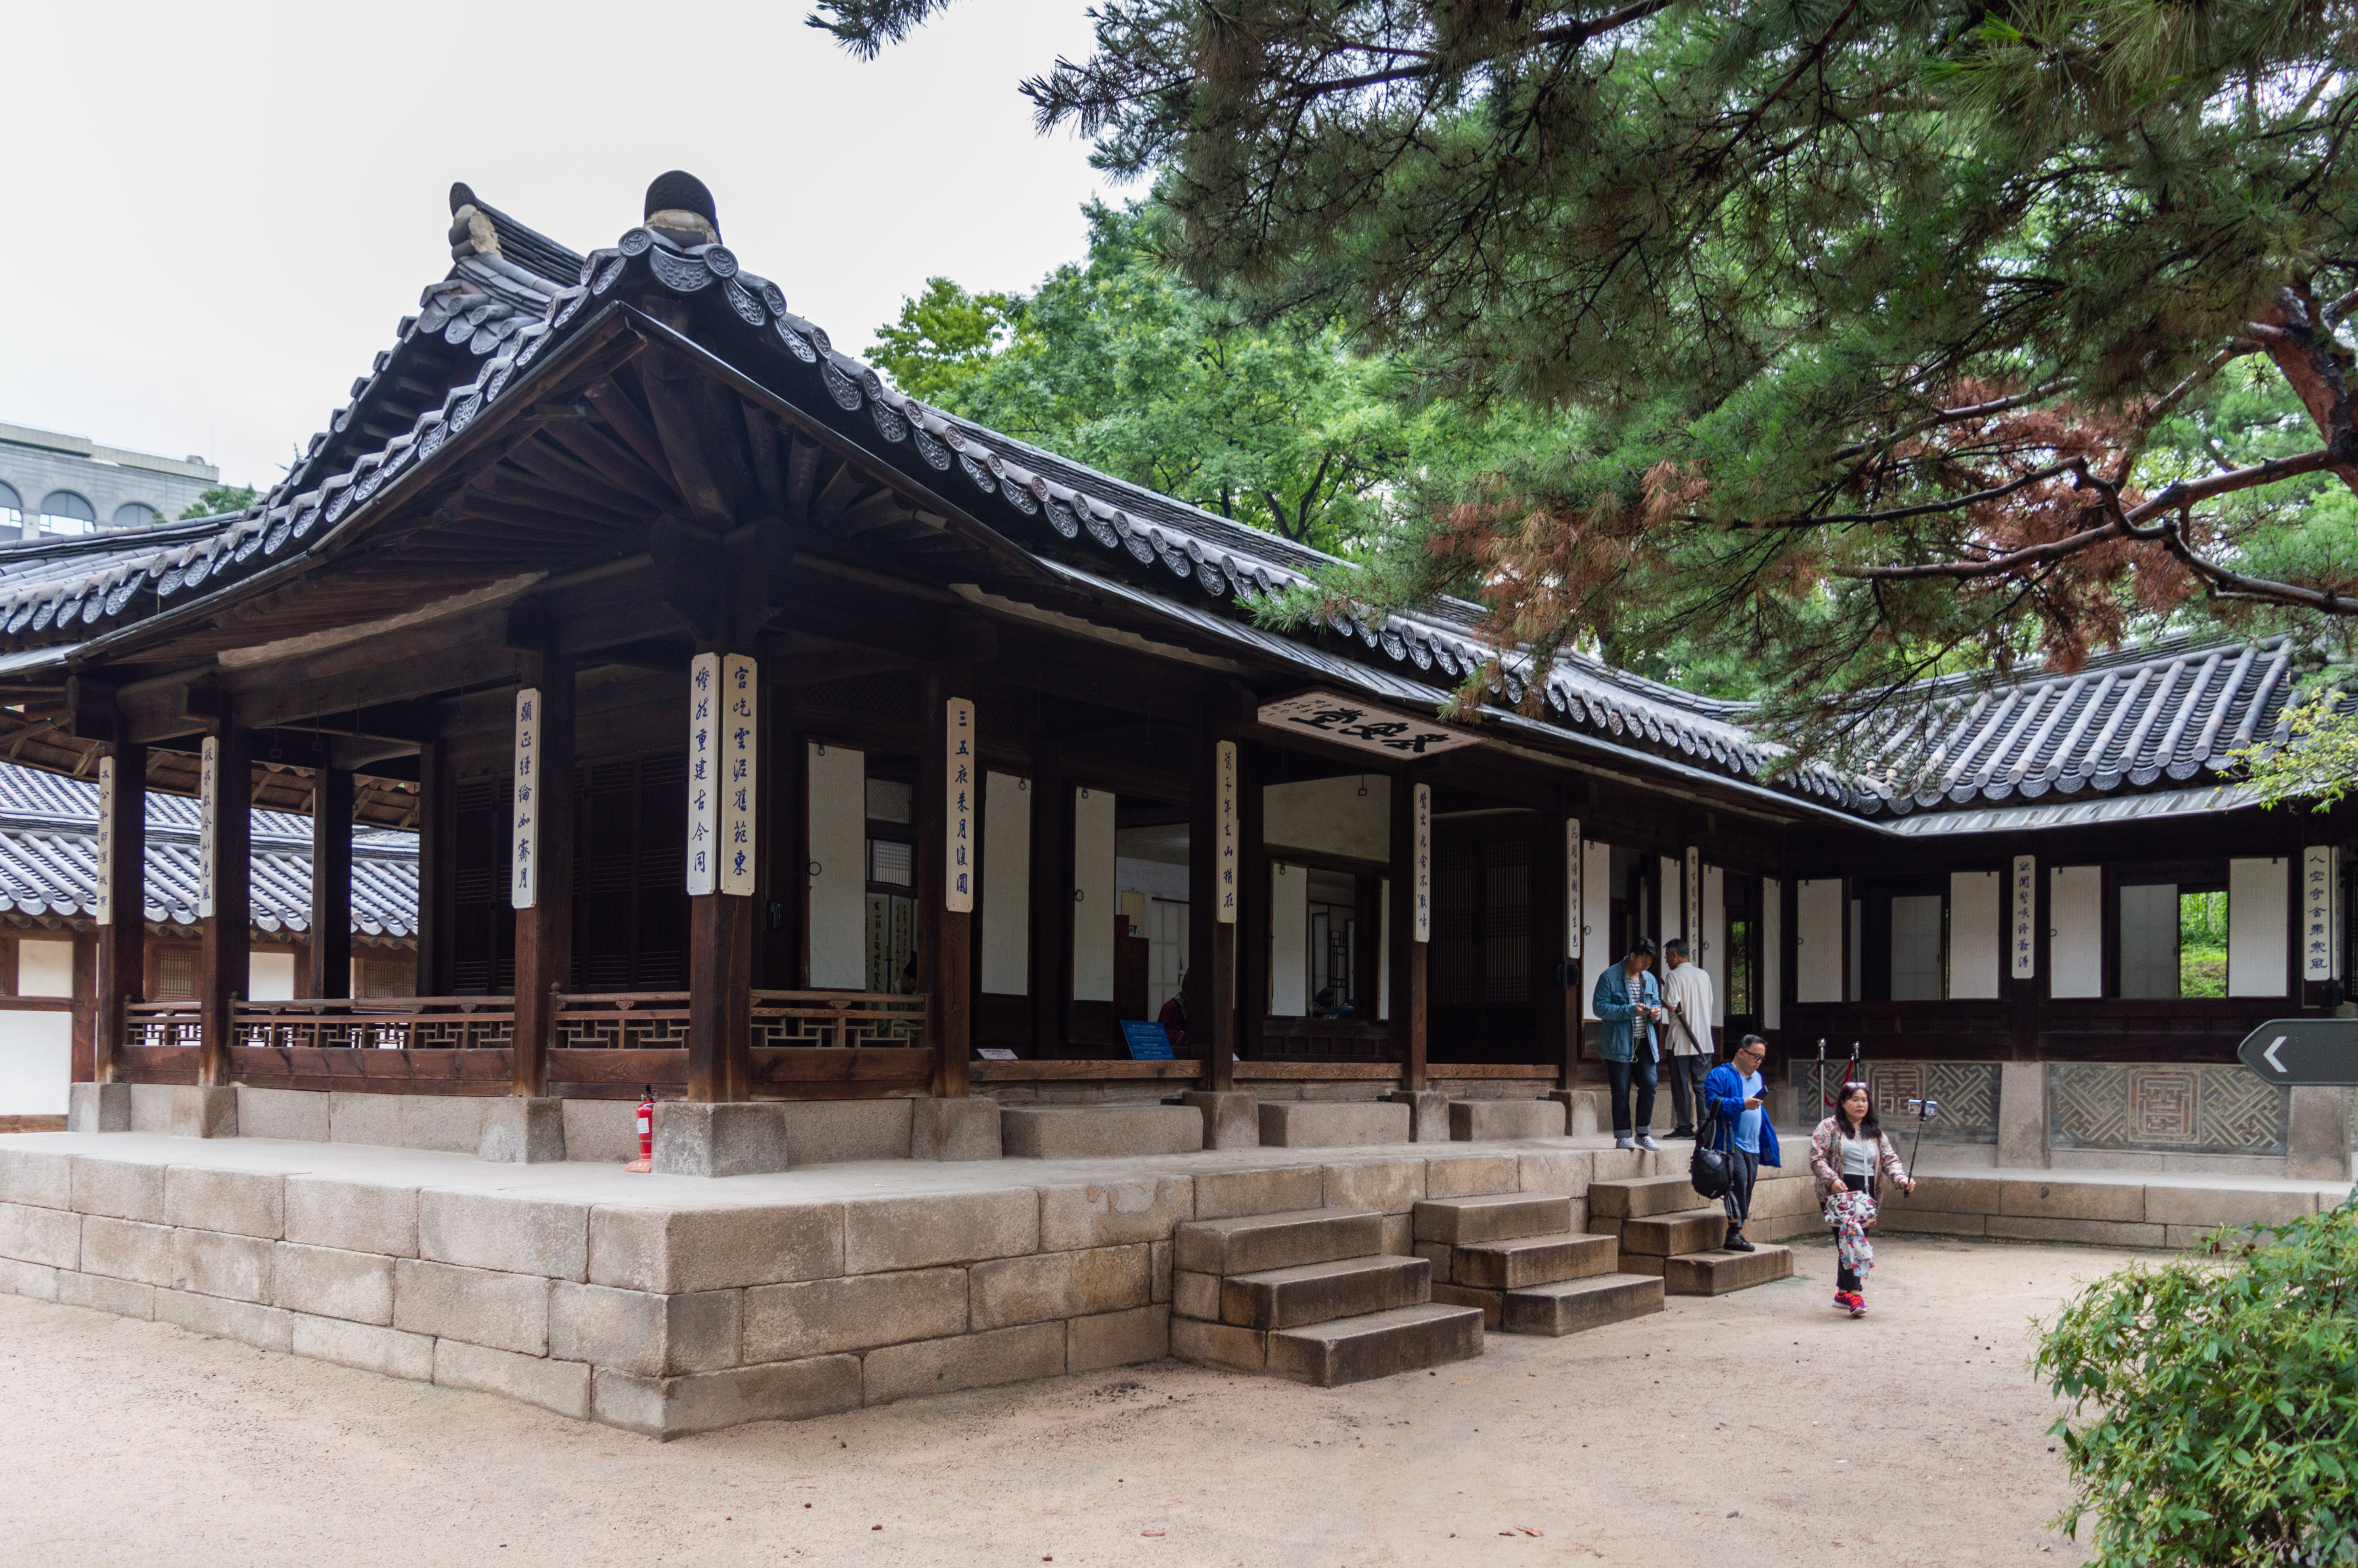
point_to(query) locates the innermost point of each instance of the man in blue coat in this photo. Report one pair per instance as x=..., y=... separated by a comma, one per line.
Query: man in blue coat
x=1734, y=1092
x=1628, y=1003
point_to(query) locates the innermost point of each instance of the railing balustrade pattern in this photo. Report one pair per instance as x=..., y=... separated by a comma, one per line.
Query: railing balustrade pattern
x=839, y=1018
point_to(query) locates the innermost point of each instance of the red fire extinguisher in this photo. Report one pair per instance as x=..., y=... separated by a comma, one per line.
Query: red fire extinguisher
x=646, y=1160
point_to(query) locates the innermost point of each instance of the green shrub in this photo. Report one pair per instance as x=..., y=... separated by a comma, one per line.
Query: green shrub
x=2215, y=1402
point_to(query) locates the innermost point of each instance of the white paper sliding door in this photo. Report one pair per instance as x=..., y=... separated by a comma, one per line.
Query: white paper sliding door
x=1093, y=895
x=1976, y=933
x=1818, y=926
x=1596, y=921
x=838, y=868
x=1006, y=885
x=1288, y=941
x=2075, y=917
x=2258, y=928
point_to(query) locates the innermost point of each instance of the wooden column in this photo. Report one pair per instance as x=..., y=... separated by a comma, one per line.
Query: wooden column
x=84, y=1023
x=1211, y=941
x=544, y=934
x=1555, y=979
x=945, y=937
x=1052, y=900
x=785, y=820
x=122, y=956
x=1408, y=1023
x=720, y=945
x=1252, y=904
x=330, y=948
x=433, y=875
x=225, y=957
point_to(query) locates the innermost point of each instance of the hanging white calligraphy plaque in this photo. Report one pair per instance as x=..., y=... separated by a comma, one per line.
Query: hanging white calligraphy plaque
x=2320, y=946
x=524, y=849
x=1224, y=825
x=1422, y=797
x=739, y=747
x=102, y=904
x=2022, y=935
x=1347, y=722
x=957, y=821
x=704, y=774
x=208, y=822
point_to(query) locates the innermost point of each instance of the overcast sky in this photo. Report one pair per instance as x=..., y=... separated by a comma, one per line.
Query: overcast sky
x=217, y=215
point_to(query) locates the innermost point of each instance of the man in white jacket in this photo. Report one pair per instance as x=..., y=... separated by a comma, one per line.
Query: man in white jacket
x=1688, y=998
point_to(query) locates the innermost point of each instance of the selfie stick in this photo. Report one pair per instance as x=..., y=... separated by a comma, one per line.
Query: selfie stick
x=1925, y=1109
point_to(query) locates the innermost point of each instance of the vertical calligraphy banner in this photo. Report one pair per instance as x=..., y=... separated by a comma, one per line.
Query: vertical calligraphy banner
x=1422, y=797
x=1225, y=824
x=2022, y=930
x=1692, y=926
x=103, y=906
x=2320, y=950
x=739, y=745
x=704, y=774
x=523, y=851
x=208, y=822
x=963, y=784
x=1571, y=888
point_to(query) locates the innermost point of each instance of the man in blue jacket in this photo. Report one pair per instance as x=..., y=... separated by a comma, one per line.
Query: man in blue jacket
x=1734, y=1092
x=1627, y=1003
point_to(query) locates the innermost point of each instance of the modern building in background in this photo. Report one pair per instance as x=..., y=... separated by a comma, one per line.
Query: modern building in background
x=53, y=485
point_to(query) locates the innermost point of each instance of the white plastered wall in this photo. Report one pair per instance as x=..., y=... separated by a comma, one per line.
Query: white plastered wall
x=1330, y=815
x=270, y=975
x=1006, y=885
x=1288, y=941
x=2259, y=930
x=1595, y=920
x=838, y=848
x=1671, y=893
x=36, y=1048
x=2075, y=947
x=1093, y=890
x=1976, y=934
x=1817, y=927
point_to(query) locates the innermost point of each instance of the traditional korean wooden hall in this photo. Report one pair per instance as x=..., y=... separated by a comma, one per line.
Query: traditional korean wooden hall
x=853, y=777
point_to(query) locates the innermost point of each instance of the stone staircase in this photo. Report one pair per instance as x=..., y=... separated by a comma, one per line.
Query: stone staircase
x=1310, y=1295
x=1517, y=1257
x=1662, y=1229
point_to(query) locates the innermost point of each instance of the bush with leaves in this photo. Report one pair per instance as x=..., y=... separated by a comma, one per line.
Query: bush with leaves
x=2215, y=1402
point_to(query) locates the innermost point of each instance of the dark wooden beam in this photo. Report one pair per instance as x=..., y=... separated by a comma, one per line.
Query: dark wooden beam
x=225, y=953
x=1211, y=982
x=1253, y=932
x=331, y=883
x=675, y=409
x=623, y=417
x=1051, y=904
x=946, y=937
x=436, y=867
x=1409, y=1034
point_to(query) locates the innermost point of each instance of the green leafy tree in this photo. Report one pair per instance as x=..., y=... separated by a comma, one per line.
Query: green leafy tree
x=1119, y=362
x=220, y=499
x=1867, y=321
x=2215, y=1403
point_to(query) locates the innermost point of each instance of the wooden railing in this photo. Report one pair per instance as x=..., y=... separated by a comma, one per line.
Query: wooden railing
x=837, y=1020
x=622, y=1021
x=378, y=1023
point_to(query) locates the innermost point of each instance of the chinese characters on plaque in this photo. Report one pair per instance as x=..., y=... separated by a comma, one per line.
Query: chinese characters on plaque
x=1571, y=888
x=957, y=725
x=103, y=906
x=1422, y=797
x=1361, y=725
x=723, y=729
x=208, y=822
x=2319, y=936
x=1224, y=825
x=1695, y=903
x=2023, y=937
x=523, y=870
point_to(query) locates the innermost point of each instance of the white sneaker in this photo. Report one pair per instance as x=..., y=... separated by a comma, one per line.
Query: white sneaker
x=1622, y=1143
x=1646, y=1141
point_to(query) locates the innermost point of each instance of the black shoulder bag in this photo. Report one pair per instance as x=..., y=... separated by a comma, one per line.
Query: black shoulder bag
x=1709, y=1171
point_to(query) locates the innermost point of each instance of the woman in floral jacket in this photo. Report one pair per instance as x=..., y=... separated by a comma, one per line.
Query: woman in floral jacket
x=1847, y=1152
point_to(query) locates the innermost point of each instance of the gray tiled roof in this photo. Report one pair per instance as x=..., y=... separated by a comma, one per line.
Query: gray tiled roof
x=49, y=862
x=2133, y=721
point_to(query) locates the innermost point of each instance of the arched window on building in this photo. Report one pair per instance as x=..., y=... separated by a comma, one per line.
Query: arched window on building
x=12, y=507
x=136, y=514
x=63, y=511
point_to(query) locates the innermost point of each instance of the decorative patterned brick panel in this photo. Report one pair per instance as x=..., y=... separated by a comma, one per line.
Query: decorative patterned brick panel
x=2174, y=1109
x=1967, y=1092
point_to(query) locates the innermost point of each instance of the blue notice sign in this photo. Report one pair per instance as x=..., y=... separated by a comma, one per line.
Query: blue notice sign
x=1148, y=1043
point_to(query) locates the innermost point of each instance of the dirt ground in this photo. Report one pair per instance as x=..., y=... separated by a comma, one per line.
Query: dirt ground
x=1757, y=1429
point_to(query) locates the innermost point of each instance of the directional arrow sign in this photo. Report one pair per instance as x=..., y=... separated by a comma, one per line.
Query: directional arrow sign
x=2303, y=1051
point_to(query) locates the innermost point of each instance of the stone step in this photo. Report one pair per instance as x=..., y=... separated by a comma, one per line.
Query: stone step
x=1486, y=1120
x=1320, y=1293
x=1533, y=1260
x=1645, y=1197
x=1250, y=1243
x=1669, y=1235
x=1716, y=1273
x=1462, y=1222
x=1357, y=1349
x=1332, y=1124
x=1094, y=1133
x=1568, y=1306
